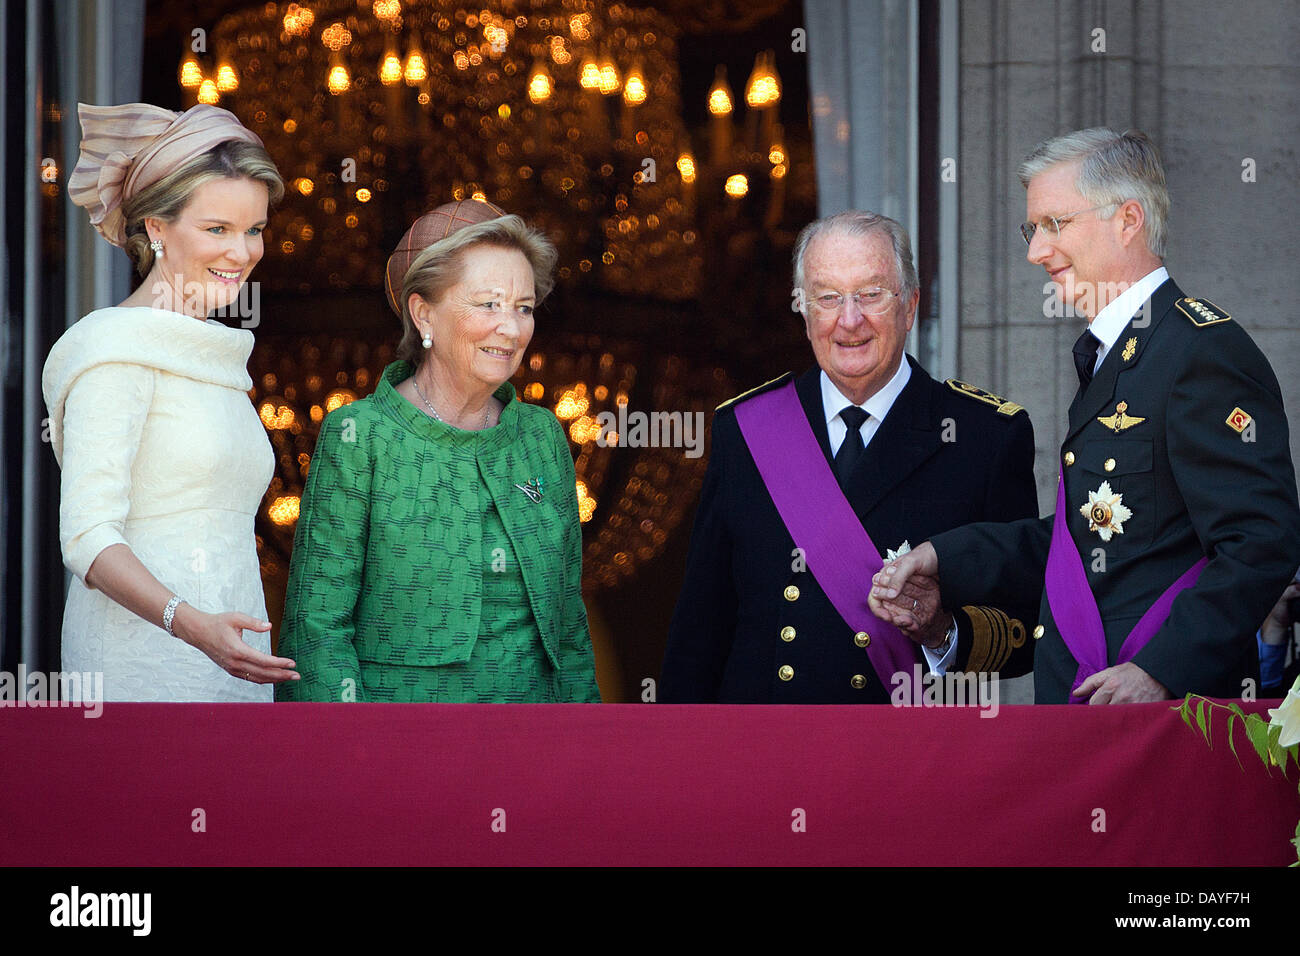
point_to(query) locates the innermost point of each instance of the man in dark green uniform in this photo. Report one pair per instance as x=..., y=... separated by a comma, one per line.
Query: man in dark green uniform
x=1177, y=523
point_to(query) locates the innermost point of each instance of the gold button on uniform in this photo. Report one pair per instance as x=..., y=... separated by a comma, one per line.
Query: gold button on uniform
x=1038, y=632
x=786, y=672
x=791, y=593
x=1110, y=464
x=1069, y=458
x=858, y=681
x=862, y=639
x=787, y=633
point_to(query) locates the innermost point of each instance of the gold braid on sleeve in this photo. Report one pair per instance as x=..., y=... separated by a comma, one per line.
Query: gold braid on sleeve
x=994, y=635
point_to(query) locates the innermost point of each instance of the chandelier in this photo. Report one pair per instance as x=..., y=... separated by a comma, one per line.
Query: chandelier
x=566, y=112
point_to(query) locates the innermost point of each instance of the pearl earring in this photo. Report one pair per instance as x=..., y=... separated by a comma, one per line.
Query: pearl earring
x=427, y=341
x=156, y=246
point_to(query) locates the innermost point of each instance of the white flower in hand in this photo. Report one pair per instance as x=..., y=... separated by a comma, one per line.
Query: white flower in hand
x=892, y=555
x=1105, y=513
x=1288, y=715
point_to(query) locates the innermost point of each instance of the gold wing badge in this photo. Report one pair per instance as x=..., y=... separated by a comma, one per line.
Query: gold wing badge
x=1121, y=419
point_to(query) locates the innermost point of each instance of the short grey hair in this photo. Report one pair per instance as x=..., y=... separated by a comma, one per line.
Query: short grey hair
x=438, y=267
x=858, y=222
x=1113, y=168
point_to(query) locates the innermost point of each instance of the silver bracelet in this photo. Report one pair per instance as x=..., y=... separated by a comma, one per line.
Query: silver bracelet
x=169, y=612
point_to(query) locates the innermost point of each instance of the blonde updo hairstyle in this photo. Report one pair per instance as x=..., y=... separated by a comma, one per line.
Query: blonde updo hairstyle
x=165, y=199
x=438, y=267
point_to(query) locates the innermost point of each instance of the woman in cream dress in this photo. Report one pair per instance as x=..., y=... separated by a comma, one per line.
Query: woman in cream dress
x=164, y=461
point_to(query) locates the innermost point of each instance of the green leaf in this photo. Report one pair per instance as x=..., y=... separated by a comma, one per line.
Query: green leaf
x=1257, y=733
x=1184, y=710
x=1236, y=709
x=1276, y=751
x=1200, y=719
x=1232, y=723
x=1209, y=726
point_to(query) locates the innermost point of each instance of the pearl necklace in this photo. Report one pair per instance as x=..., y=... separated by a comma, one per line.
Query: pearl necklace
x=487, y=412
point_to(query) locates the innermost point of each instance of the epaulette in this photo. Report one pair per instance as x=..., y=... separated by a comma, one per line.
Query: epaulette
x=766, y=386
x=1202, y=312
x=1003, y=406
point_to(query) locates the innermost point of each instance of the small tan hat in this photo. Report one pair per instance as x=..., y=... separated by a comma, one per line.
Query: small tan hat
x=425, y=231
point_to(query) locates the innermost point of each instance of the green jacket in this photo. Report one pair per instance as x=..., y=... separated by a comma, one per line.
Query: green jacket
x=387, y=557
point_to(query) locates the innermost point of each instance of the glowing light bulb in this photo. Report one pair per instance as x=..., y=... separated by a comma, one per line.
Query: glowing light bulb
x=764, y=86
x=634, y=91
x=227, y=78
x=339, y=80
x=686, y=166
x=390, y=71
x=416, y=71
x=191, y=74
x=298, y=20
x=720, y=99
x=336, y=36
x=609, y=79
x=737, y=185
x=540, y=85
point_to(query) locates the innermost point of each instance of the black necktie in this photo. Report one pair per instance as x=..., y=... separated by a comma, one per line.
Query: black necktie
x=1085, y=356
x=851, y=449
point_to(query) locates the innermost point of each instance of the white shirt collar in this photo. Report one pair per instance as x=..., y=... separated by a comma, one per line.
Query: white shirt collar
x=1112, y=319
x=877, y=406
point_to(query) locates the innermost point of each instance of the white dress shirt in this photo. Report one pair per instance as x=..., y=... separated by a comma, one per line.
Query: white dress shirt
x=876, y=407
x=1112, y=319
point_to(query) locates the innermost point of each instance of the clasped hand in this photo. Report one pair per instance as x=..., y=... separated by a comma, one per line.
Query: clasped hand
x=905, y=592
x=914, y=578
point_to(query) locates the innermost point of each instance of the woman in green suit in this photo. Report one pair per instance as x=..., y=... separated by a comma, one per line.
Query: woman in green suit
x=438, y=551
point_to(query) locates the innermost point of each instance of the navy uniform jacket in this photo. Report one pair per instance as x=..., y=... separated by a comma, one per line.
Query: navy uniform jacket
x=1195, y=485
x=735, y=627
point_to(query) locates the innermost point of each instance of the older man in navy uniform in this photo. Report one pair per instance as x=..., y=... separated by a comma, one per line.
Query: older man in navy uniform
x=867, y=452
x=1177, y=523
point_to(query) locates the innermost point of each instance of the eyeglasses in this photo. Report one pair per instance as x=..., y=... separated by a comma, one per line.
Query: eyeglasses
x=1027, y=229
x=868, y=301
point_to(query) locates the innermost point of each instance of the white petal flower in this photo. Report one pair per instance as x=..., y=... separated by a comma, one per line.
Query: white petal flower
x=1288, y=715
x=892, y=555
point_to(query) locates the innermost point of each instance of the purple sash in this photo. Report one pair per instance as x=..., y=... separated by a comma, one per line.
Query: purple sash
x=837, y=549
x=1075, y=610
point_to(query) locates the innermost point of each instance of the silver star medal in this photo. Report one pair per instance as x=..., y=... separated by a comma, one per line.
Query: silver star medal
x=1105, y=512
